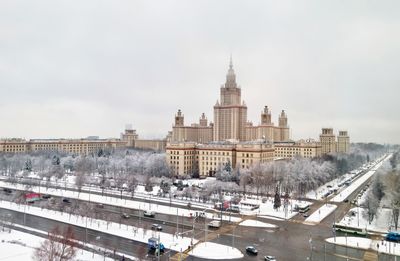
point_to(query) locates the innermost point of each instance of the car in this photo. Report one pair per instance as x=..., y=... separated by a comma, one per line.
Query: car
x=46, y=196
x=66, y=200
x=156, y=227
x=346, y=201
x=7, y=190
x=251, y=250
x=125, y=215
x=306, y=215
x=269, y=258
x=149, y=213
x=99, y=205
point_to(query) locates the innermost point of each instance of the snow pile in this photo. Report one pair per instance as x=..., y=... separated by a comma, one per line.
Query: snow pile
x=256, y=223
x=320, y=214
x=215, y=251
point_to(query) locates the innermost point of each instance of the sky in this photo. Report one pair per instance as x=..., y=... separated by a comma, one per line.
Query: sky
x=71, y=69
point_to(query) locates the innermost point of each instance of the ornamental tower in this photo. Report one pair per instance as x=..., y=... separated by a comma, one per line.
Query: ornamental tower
x=230, y=114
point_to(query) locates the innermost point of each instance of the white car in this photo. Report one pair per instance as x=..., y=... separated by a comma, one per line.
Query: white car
x=149, y=213
x=269, y=258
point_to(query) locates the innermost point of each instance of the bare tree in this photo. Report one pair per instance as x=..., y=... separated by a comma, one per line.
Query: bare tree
x=59, y=246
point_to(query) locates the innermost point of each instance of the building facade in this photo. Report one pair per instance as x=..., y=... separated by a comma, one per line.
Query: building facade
x=74, y=146
x=330, y=144
x=131, y=140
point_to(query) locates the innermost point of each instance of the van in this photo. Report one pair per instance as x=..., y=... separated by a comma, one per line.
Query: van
x=149, y=213
x=215, y=224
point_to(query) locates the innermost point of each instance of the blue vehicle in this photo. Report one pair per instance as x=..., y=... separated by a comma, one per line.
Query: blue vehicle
x=154, y=245
x=393, y=237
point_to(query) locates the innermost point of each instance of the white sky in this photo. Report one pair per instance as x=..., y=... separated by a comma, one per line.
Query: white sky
x=80, y=68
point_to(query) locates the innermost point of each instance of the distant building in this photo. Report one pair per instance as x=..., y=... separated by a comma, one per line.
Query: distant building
x=331, y=145
x=131, y=140
x=74, y=146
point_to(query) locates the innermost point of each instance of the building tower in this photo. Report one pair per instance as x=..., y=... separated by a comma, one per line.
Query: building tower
x=328, y=141
x=343, y=142
x=230, y=114
x=266, y=116
x=179, y=119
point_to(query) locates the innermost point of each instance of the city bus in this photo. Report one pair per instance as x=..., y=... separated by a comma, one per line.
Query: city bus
x=302, y=208
x=350, y=230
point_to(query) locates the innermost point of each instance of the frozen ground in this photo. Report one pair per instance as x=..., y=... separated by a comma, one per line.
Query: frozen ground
x=256, y=223
x=215, y=251
x=320, y=214
x=17, y=246
x=366, y=243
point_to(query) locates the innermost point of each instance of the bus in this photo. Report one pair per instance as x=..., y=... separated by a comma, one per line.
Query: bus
x=350, y=230
x=302, y=208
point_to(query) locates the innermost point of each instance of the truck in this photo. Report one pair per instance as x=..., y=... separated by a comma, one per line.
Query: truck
x=215, y=224
x=154, y=245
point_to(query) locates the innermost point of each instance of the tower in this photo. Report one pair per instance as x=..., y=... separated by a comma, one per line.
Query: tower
x=230, y=114
x=266, y=116
x=343, y=142
x=328, y=141
x=283, y=122
x=179, y=119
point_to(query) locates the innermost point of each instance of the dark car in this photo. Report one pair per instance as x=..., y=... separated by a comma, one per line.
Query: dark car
x=156, y=227
x=46, y=196
x=346, y=201
x=66, y=200
x=7, y=190
x=251, y=250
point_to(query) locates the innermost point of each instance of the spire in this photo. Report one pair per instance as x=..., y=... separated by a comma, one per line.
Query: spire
x=230, y=77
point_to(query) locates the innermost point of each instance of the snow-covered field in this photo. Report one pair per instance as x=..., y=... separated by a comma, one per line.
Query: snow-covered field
x=358, y=182
x=380, y=223
x=256, y=223
x=17, y=246
x=215, y=251
x=320, y=214
x=366, y=243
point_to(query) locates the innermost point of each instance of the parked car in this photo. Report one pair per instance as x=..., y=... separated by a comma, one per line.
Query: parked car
x=7, y=190
x=269, y=258
x=306, y=215
x=100, y=206
x=149, y=213
x=156, y=227
x=66, y=200
x=125, y=215
x=251, y=250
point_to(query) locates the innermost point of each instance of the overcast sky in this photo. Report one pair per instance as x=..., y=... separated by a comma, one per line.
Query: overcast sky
x=78, y=68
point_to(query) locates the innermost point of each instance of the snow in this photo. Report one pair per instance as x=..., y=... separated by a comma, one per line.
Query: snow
x=256, y=223
x=118, y=202
x=380, y=223
x=358, y=182
x=365, y=243
x=138, y=234
x=170, y=241
x=320, y=214
x=16, y=246
x=215, y=251
x=267, y=209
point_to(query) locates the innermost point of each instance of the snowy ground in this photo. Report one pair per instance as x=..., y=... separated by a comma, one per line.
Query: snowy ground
x=380, y=224
x=17, y=246
x=256, y=223
x=215, y=251
x=366, y=243
x=267, y=209
x=131, y=232
x=117, y=202
x=358, y=182
x=320, y=214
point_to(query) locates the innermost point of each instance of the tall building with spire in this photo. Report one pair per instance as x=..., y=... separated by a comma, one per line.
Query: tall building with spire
x=230, y=113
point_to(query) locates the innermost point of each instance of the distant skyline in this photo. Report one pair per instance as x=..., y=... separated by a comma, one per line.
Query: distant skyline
x=72, y=69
